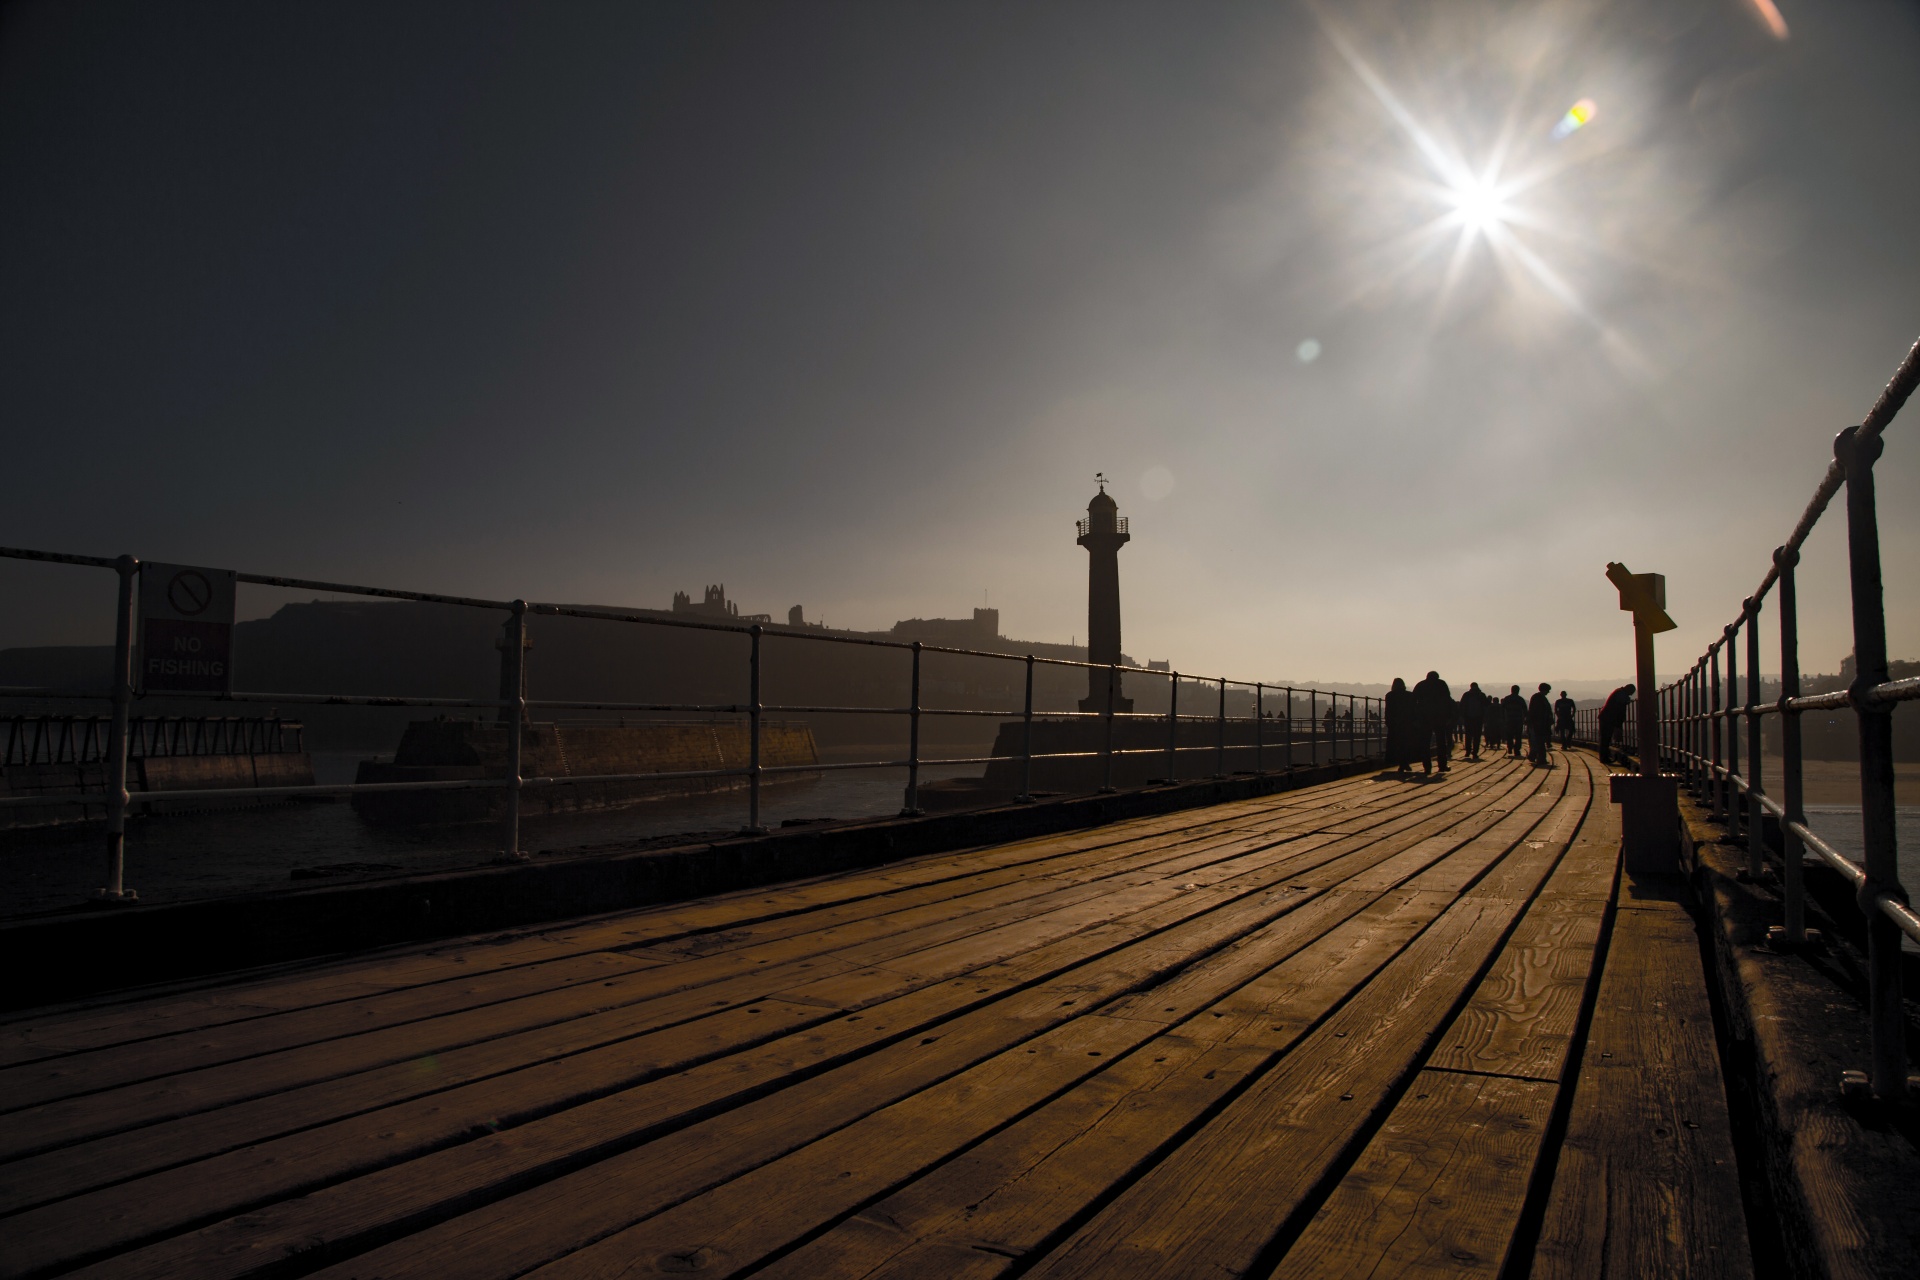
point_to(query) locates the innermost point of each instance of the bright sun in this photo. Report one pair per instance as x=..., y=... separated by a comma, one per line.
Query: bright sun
x=1479, y=206
x=1483, y=203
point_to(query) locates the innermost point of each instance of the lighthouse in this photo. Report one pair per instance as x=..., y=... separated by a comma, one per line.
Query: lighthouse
x=1103, y=533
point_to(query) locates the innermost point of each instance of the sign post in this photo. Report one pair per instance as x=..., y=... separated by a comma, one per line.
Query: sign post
x=1650, y=801
x=186, y=629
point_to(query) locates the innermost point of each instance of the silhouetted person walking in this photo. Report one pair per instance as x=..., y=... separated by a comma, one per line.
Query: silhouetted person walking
x=1433, y=711
x=1539, y=724
x=1613, y=717
x=1400, y=718
x=1563, y=720
x=1473, y=716
x=1513, y=720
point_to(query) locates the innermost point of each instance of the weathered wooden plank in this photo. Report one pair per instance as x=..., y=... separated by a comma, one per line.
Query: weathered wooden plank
x=381, y=1204
x=858, y=942
x=886, y=1158
x=740, y=1221
x=391, y=1133
x=1438, y=1189
x=123, y=1018
x=1646, y=1182
x=994, y=1197
x=154, y=1057
x=271, y=1033
x=998, y=1201
x=1522, y=1018
x=1215, y=1204
x=1441, y=1188
x=39, y=1082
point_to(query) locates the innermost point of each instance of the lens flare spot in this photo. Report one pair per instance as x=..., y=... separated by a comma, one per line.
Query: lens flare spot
x=1576, y=118
x=1307, y=352
x=1157, y=483
x=1769, y=14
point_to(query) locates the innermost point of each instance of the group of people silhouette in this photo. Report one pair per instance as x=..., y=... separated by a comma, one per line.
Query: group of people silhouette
x=1423, y=721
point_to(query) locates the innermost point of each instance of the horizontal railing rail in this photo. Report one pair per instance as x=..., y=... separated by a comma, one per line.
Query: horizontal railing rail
x=1701, y=715
x=1351, y=729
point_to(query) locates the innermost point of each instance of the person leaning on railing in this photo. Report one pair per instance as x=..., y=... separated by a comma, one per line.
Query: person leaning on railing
x=1613, y=717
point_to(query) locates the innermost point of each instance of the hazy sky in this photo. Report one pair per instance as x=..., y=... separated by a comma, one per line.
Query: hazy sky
x=844, y=305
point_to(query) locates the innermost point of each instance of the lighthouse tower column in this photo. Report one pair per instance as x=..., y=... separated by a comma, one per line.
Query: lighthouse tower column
x=1103, y=533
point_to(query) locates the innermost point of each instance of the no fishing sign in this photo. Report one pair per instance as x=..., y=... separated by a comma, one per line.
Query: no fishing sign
x=186, y=629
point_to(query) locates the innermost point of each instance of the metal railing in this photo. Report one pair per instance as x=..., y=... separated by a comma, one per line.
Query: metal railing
x=34, y=740
x=1350, y=728
x=1701, y=716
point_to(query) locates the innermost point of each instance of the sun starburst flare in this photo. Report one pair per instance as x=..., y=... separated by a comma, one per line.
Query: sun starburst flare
x=1459, y=205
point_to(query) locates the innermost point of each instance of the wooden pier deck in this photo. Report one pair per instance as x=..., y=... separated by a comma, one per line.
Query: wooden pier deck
x=1370, y=1028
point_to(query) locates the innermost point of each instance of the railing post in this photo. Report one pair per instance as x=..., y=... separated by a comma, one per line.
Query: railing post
x=1667, y=720
x=1793, y=874
x=1026, y=741
x=1313, y=728
x=1888, y=1073
x=753, y=732
x=1703, y=730
x=1700, y=728
x=1106, y=753
x=1683, y=728
x=1735, y=809
x=1756, y=725
x=1173, y=727
x=116, y=887
x=1676, y=724
x=1684, y=732
x=1291, y=762
x=1220, y=734
x=1716, y=779
x=1259, y=728
x=516, y=721
x=912, y=807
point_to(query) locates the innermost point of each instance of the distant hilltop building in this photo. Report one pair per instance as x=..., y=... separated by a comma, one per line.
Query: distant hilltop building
x=1103, y=533
x=983, y=629
x=716, y=605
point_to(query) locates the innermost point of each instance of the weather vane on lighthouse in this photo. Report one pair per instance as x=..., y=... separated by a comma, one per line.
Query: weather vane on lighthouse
x=1101, y=476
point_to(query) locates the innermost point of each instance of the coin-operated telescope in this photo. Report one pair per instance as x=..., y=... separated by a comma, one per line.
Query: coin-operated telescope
x=1649, y=802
